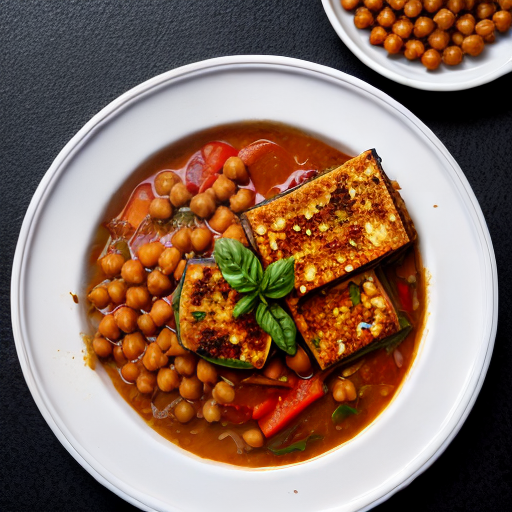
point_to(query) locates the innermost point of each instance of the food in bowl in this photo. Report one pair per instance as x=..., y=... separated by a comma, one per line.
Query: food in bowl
x=237, y=352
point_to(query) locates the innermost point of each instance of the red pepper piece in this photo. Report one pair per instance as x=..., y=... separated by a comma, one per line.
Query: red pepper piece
x=265, y=407
x=405, y=295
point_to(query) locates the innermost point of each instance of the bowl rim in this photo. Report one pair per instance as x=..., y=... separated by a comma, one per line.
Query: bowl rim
x=99, y=472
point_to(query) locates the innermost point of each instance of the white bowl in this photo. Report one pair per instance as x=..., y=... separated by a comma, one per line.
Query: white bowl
x=493, y=62
x=101, y=430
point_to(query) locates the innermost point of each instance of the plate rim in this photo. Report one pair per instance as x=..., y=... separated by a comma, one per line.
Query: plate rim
x=59, y=164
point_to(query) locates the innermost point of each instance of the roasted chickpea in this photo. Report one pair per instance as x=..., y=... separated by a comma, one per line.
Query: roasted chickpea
x=165, y=181
x=167, y=337
x=126, y=319
x=403, y=27
x=206, y=372
x=455, y=5
x=423, y=26
x=186, y=364
x=111, y=264
x=378, y=35
x=432, y=5
x=413, y=8
x=502, y=20
x=235, y=170
x=473, y=45
x=137, y=297
x=363, y=18
x=181, y=240
x=169, y=260
x=349, y=5
x=160, y=208
x=99, y=297
x=393, y=43
x=134, y=345
x=224, y=188
x=203, y=205
x=506, y=5
x=236, y=232
x=253, y=437
x=146, y=324
x=485, y=10
x=180, y=269
x=167, y=379
x=466, y=24
x=184, y=412
x=133, y=272
x=431, y=59
x=117, y=291
x=386, y=17
x=211, y=411
x=414, y=49
x=158, y=283
x=223, y=393
x=397, y=4
x=242, y=200
x=444, y=19
x=201, y=239
x=149, y=253
x=119, y=356
x=484, y=28
x=344, y=391
x=452, y=55
x=439, y=39
x=300, y=362
x=109, y=328
x=180, y=195
x=222, y=218
x=191, y=388
x=154, y=358
x=274, y=368
x=161, y=311
x=130, y=372
x=469, y=4
x=146, y=382
x=490, y=38
x=101, y=346
x=374, y=5
x=457, y=38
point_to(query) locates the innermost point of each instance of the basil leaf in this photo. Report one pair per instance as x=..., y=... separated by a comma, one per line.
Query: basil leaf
x=198, y=315
x=239, y=266
x=246, y=304
x=342, y=412
x=355, y=293
x=274, y=320
x=299, y=446
x=278, y=279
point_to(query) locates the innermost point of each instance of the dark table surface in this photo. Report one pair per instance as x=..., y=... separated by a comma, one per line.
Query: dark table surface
x=62, y=61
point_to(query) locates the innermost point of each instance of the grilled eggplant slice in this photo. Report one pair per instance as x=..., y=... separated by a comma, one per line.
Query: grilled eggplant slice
x=333, y=224
x=206, y=324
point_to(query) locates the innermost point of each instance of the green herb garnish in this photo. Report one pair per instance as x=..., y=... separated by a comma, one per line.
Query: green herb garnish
x=298, y=446
x=198, y=315
x=355, y=293
x=274, y=320
x=342, y=412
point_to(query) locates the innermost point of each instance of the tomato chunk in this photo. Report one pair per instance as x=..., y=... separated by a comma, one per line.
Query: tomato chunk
x=138, y=205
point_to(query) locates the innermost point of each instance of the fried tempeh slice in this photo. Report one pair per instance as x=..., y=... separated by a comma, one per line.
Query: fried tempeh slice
x=338, y=321
x=206, y=323
x=334, y=224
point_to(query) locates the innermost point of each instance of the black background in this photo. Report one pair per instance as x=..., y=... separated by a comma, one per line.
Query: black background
x=61, y=62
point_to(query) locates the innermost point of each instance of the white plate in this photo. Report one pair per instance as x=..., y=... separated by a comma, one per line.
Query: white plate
x=493, y=62
x=106, y=436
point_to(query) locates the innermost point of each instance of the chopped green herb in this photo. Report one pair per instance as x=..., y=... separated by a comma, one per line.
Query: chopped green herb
x=198, y=315
x=355, y=293
x=298, y=446
x=342, y=412
x=316, y=342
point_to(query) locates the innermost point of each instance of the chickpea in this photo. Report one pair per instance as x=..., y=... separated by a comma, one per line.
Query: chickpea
x=165, y=181
x=403, y=27
x=457, y=38
x=167, y=379
x=133, y=272
x=137, y=297
x=236, y=232
x=444, y=19
x=203, y=205
x=439, y=39
x=506, y=5
x=206, y=372
x=108, y=328
x=99, y=297
x=119, y=356
x=469, y=4
x=363, y=18
x=191, y=388
x=242, y=200
x=235, y=169
x=300, y=362
x=378, y=35
x=452, y=55
x=386, y=17
x=466, y=24
x=274, y=368
x=413, y=8
x=431, y=59
x=397, y=4
x=224, y=188
x=158, y=284
x=223, y=393
x=181, y=240
x=146, y=324
x=432, y=5
x=374, y=5
x=134, y=345
x=111, y=264
x=423, y=26
x=222, y=218
x=146, y=382
x=101, y=346
x=502, y=20
x=149, y=253
x=180, y=195
x=184, y=412
x=473, y=45
x=414, y=49
x=485, y=10
x=393, y=43
x=117, y=291
x=169, y=260
x=201, y=239
x=164, y=339
x=174, y=349
x=161, y=312
x=126, y=319
x=348, y=5
x=490, y=38
x=455, y=5
x=344, y=391
x=154, y=358
x=180, y=269
x=130, y=372
x=186, y=364
x=211, y=411
x=484, y=28
x=160, y=208
x=253, y=437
